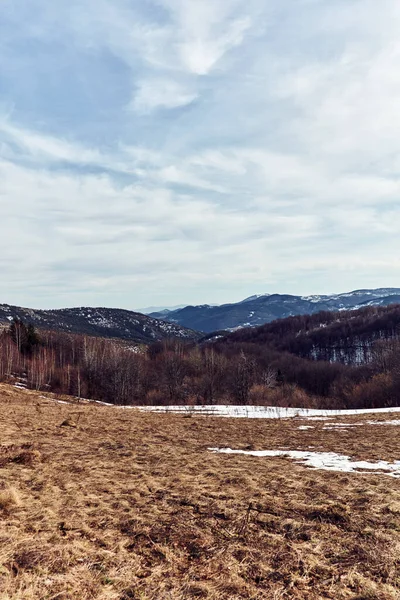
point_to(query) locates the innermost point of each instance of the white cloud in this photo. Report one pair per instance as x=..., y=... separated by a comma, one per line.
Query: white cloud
x=47, y=147
x=161, y=93
x=203, y=32
x=260, y=146
x=348, y=104
x=201, y=53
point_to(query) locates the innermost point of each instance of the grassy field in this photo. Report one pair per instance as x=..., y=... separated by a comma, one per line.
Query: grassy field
x=105, y=503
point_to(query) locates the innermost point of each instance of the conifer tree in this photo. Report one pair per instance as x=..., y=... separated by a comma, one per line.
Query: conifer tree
x=24, y=337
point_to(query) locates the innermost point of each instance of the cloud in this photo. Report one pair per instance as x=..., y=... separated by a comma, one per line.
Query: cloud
x=161, y=93
x=18, y=141
x=208, y=30
x=183, y=151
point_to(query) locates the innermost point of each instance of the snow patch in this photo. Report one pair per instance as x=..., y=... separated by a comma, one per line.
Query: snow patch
x=265, y=412
x=327, y=461
x=395, y=422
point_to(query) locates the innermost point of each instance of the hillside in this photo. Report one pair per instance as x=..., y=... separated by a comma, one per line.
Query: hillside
x=348, y=359
x=103, y=322
x=258, y=310
x=350, y=337
x=100, y=503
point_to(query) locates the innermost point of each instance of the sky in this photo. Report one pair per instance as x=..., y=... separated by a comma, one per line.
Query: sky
x=164, y=152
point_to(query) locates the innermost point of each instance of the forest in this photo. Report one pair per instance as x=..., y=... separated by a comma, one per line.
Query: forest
x=328, y=360
x=348, y=337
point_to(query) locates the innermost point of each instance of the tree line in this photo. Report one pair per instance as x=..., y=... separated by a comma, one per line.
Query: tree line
x=174, y=372
x=348, y=337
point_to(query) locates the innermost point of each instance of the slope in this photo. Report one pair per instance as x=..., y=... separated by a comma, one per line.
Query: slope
x=346, y=336
x=99, y=503
x=257, y=310
x=104, y=322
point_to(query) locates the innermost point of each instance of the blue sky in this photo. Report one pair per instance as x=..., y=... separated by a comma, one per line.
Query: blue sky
x=162, y=152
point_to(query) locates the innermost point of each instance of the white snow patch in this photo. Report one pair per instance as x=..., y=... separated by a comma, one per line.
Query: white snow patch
x=304, y=427
x=393, y=422
x=343, y=426
x=328, y=426
x=265, y=412
x=102, y=403
x=327, y=461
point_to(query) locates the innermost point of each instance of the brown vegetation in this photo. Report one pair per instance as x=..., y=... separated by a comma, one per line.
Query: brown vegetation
x=346, y=336
x=128, y=505
x=175, y=373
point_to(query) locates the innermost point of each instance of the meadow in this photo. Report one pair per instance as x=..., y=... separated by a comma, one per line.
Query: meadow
x=111, y=503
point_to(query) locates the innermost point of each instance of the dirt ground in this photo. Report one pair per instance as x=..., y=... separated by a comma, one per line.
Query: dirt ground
x=114, y=504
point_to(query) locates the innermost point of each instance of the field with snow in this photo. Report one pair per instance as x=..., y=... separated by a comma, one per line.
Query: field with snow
x=104, y=503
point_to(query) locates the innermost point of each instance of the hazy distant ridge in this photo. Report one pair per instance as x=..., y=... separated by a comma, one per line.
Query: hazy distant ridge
x=260, y=309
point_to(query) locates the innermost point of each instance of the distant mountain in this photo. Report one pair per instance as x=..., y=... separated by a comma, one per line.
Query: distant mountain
x=104, y=322
x=158, y=309
x=260, y=309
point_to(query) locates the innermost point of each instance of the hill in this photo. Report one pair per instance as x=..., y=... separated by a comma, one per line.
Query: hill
x=103, y=322
x=350, y=337
x=107, y=503
x=258, y=310
x=348, y=359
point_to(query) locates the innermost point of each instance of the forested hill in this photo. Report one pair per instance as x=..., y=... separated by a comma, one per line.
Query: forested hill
x=103, y=322
x=358, y=363
x=347, y=337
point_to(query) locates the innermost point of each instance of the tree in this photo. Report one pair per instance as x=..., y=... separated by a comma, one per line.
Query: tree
x=18, y=333
x=24, y=337
x=32, y=339
x=243, y=378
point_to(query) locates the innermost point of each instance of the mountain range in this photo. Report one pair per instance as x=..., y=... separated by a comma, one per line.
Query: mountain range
x=191, y=322
x=104, y=322
x=260, y=309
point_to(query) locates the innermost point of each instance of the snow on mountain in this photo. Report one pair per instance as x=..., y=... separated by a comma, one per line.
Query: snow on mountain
x=263, y=308
x=255, y=297
x=104, y=322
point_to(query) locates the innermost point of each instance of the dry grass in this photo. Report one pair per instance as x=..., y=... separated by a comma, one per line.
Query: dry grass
x=108, y=504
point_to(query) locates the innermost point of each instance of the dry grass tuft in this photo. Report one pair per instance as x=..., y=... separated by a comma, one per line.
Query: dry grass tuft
x=68, y=423
x=23, y=454
x=130, y=505
x=9, y=498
